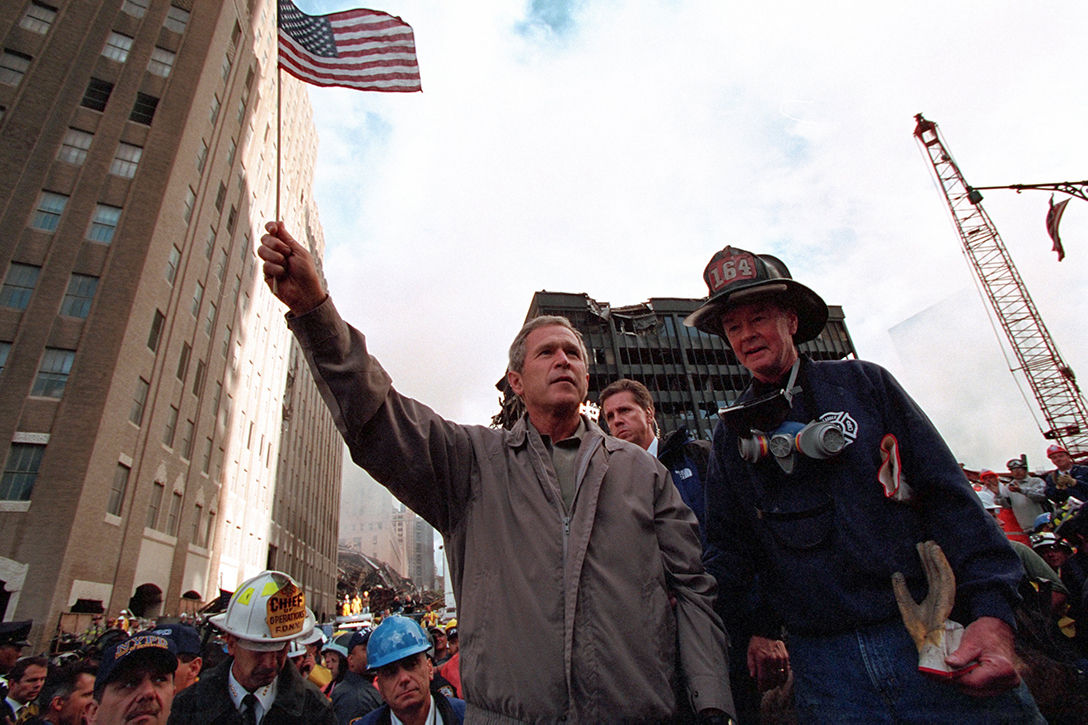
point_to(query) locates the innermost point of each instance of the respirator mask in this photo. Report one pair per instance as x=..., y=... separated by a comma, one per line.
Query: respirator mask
x=819, y=439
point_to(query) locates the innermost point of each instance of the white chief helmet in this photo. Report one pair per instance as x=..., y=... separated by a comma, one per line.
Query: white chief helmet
x=267, y=612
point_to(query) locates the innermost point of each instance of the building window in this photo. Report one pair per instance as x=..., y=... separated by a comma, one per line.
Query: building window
x=213, y=114
x=231, y=151
x=190, y=203
x=80, y=294
x=20, y=471
x=143, y=110
x=198, y=379
x=13, y=66
x=117, y=491
x=73, y=149
x=176, y=19
x=47, y=215
x=171, y=427
x=224, y=70
x=53, y=372
x=117, y=47
x=197, y=537
x=209, y=319
x=209, y=529
x=104, y=223
x=97, y=94
x=220, y=197
x=241, y=111
x=206, y=461
x=162, y=60
x=221, y=265
x=183, y=361
x=156, y=331
x=198, y=297
x=135, y=8
x=139, y=399
x=187, y=440
x=172, y=517
x=172, y=264
x=157, y=490
x=202, y=156
x=126, y=160
x=39, y=17
x=5, y=350
x=19, y=285
x=209, y=244
x=232, y=219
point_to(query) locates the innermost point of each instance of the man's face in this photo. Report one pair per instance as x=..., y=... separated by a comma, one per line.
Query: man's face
x=142, y=694
x=1054, y=556
x=357, y=659
x=252, y=669
x=440, y=642
x=9, y=653
x=333, y=661
x=406, y=684
x=761, y=335
x=75, y=707
x=1062, y=460
x=991, y=482
x=187, y=672
x=554, y=376
x=29, y=685
x=627, y=420
x=1019, y=473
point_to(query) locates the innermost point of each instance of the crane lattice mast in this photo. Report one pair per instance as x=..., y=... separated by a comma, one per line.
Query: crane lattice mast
x=1051, y=380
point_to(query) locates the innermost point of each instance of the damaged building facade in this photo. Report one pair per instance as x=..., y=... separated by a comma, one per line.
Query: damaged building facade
x=689, y=373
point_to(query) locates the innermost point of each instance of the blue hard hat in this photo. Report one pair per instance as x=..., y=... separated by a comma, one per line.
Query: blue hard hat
x=395, y=638
x=1041, y=520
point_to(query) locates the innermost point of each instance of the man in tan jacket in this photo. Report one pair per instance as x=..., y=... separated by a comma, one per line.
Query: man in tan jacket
x=561, y=541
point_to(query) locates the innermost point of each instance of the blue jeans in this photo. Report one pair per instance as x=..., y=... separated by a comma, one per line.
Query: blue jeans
x=871, y=676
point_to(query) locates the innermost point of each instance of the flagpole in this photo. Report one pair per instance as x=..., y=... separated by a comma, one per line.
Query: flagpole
x=279, y=122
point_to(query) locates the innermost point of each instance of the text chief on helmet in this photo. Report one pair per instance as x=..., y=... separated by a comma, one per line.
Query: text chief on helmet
x=267, y=612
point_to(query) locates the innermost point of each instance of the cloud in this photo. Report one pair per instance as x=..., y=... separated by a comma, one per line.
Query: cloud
x=616, y=161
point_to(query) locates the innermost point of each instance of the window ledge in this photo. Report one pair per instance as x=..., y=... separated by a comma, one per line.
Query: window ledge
x=113, y=520
x=160, y=537
x=20, y=506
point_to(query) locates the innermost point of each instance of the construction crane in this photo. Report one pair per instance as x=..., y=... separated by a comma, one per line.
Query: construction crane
x=1051, y=380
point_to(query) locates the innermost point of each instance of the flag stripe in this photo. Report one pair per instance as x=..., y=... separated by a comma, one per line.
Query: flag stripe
x=367, y=49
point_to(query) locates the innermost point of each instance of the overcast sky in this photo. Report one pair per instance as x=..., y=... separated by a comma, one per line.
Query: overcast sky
x=612, y=147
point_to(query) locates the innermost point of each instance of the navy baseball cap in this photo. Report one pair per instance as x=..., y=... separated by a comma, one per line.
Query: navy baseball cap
x=185, y=638
x=358, y=638
x=142, y=647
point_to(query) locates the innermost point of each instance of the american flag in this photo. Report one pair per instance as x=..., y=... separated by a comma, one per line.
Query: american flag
x=364, y=49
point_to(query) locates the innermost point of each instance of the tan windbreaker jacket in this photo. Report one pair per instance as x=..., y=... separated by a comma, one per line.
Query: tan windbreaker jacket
x=563, y=616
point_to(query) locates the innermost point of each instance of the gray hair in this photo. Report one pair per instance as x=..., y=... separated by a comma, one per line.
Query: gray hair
x=520, y=343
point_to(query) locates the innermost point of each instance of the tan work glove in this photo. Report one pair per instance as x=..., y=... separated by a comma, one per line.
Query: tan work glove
x=1063, y=481
x=935, y=636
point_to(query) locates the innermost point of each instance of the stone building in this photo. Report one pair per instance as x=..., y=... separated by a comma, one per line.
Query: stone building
x=160, y=432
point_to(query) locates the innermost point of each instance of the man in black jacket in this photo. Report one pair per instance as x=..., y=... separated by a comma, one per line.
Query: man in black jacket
x=257, y=684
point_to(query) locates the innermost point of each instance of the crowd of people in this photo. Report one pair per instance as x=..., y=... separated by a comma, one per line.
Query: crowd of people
x=827, y=527
x=263, y=660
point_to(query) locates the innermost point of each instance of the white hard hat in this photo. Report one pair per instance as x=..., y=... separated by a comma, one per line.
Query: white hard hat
x=266, y=613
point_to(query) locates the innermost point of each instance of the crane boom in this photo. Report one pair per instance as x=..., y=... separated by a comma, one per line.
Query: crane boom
x=1051, y=380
